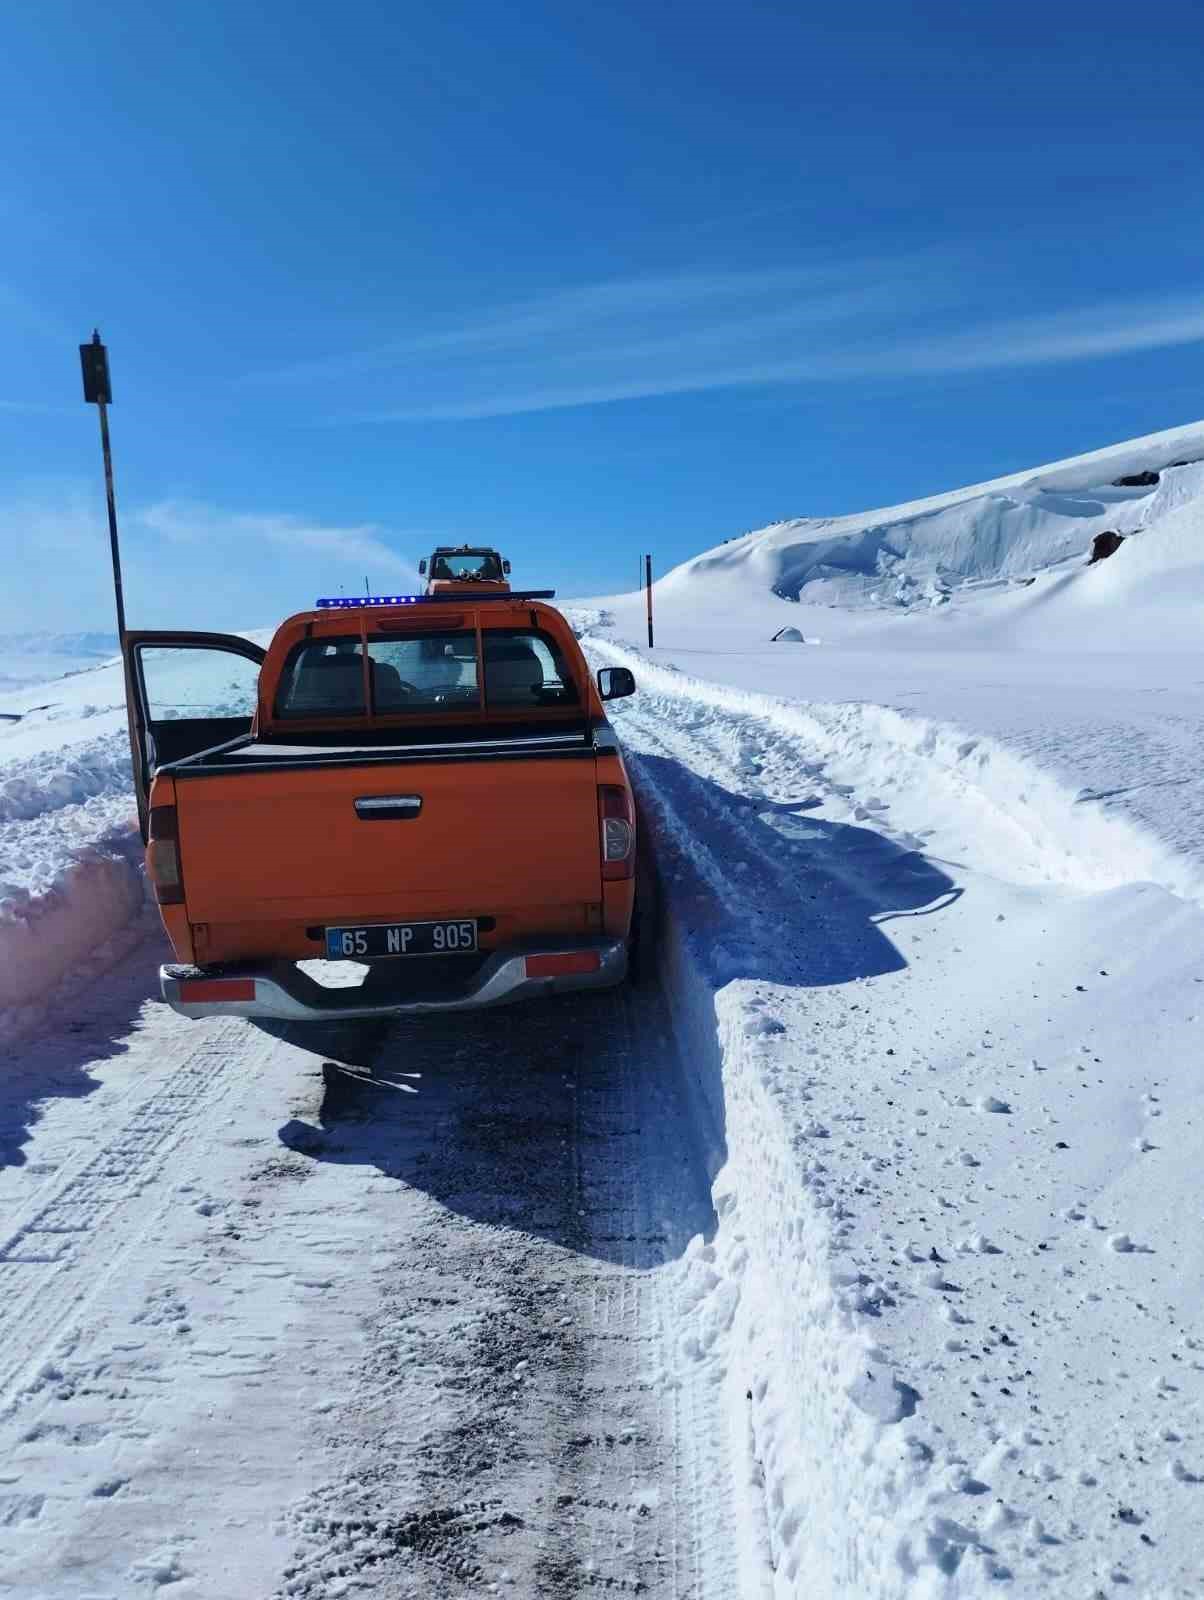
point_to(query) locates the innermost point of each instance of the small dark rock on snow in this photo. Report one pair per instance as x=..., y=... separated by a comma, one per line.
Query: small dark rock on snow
x=1136, y=480
x=1104, y=545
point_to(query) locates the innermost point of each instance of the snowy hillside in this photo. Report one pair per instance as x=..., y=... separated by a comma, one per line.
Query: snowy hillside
x=28, y=658
x=992, y=537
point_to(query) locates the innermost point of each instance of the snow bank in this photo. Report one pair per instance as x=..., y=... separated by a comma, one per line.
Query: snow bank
x=1003, y=814
x=70, y=932
x=952, y=1302
x=47, y=780
x=71, y=876
x=71, y=881
x=823, y=1477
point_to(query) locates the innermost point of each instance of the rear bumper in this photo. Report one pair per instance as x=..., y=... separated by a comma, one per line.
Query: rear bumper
x=280, y=990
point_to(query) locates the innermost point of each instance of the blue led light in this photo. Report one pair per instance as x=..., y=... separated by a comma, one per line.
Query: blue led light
x=341, y=602
x=346, y=602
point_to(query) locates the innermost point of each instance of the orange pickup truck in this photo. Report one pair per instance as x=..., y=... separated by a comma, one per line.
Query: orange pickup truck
x=425, y=786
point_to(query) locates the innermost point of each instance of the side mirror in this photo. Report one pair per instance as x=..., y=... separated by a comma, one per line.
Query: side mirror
x=506, y=568
x=422, y=568
x=616, y=683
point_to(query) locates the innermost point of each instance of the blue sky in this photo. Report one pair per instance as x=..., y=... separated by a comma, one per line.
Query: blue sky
x=577, y=280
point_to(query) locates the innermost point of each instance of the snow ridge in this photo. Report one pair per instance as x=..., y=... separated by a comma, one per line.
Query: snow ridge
x=1016, y=821
x=1005, y=531
x=47, y=780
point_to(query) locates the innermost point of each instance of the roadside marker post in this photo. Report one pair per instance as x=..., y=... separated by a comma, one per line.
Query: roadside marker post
x=648, y=592
x=98, y=391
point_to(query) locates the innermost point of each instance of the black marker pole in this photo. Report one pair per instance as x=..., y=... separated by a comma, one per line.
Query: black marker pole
x=94, y=360
x=648, y=589
x=98, y=392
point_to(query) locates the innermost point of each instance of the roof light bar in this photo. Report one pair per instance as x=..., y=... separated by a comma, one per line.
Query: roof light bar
x=347, y=603
x=357, y=602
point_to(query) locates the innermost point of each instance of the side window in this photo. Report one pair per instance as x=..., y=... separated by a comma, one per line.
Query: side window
x=525, y=670
x=190, y=684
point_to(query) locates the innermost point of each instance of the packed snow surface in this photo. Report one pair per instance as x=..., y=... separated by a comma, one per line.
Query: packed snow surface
x=861, y=1259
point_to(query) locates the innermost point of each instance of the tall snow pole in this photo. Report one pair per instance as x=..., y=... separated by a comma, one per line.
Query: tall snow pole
x=98, y=392
x=648, y=592
x=94, y=360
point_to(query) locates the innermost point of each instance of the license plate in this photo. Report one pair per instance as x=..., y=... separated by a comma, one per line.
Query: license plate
x=384, y=939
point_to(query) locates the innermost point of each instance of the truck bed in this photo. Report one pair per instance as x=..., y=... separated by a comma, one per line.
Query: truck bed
x=280, y=839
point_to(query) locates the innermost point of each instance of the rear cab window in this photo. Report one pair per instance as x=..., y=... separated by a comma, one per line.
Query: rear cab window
x=405, y=676
x=427, y=676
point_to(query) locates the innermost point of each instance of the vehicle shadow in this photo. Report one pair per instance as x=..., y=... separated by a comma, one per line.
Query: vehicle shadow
x=597, y=1122
x=563, y=1120
x=767, y=891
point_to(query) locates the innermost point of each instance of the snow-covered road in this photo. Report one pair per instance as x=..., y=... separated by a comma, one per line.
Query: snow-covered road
x=354, y=1310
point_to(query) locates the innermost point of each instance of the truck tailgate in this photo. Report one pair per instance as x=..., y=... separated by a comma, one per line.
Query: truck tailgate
x=490, y=837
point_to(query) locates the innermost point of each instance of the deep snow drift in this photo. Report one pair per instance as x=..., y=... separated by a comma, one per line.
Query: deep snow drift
x=1006, y=531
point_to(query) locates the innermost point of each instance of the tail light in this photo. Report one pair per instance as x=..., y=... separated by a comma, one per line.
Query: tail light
x=163, y=856
x=567, y=964
x=618, y=832
x=213, y=991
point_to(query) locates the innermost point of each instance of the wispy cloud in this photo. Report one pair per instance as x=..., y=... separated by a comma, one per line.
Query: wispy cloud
x=191, y=522
x=590, y=316
x=1081, y=333
x=618, y=339
x=693, y=331
x=186, y=563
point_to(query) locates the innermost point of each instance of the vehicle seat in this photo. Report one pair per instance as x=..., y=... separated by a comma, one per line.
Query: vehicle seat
x=513, y=673
x=333, y=684
x=386, y=687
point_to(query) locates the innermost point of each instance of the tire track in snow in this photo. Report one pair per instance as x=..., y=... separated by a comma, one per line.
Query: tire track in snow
x=542, y=1430
x=73, y=1234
